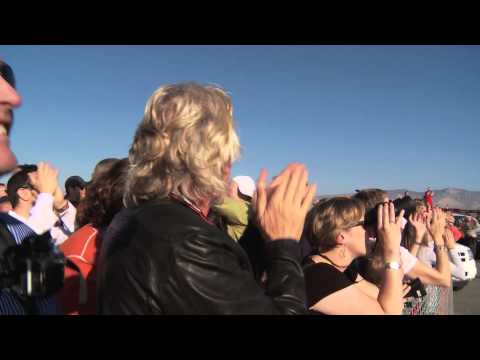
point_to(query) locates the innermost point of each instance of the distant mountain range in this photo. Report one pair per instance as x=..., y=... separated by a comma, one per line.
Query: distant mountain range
x=448, y=198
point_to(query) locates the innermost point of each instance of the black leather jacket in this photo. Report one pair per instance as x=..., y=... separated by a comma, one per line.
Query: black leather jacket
x=163, y=258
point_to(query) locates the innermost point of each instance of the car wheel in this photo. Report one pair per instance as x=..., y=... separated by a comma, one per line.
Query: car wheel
x=459, y=285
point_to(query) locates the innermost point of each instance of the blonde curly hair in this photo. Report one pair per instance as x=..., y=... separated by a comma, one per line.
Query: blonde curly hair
x=186, y=138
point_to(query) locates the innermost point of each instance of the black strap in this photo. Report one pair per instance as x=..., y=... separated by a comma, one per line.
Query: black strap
x=331, y=262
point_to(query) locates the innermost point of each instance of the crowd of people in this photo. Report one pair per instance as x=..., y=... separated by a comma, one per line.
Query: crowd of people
x=166, y=230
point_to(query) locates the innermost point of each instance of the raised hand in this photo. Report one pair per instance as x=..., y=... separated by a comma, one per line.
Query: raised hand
x=389, y=228
x=45, y=179
x=281, y=206
x=449, y=239
x=419, y=223
x=436, y=226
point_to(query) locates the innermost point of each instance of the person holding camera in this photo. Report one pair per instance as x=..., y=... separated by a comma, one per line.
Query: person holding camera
x=412, y=267
x=336, y=231
x=37, y=199
x=22, y=194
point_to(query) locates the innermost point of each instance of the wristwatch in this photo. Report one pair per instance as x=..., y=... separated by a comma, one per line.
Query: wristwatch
x=440, y=247
x=395, y=265
x=64, y=208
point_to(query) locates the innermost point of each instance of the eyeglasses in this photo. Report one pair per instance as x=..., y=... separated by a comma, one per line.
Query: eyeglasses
x=6, y=73
x=28, y=186
x=358, y=223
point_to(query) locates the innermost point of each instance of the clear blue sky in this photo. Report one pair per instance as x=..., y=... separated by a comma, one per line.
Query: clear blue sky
x=357, y=116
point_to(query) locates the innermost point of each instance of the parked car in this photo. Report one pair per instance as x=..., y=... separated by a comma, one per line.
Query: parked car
x=469, y=264
x=471, y=232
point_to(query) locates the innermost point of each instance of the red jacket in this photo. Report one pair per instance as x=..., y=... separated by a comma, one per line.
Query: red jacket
x=457, y=234
x=429, y=199
x=78, y=295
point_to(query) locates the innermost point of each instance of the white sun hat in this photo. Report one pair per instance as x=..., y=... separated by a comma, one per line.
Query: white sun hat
x=246, y=185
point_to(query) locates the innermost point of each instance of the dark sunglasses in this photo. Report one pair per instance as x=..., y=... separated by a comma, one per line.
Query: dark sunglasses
x=358, y=223
x=28, y=186
x=6, y=73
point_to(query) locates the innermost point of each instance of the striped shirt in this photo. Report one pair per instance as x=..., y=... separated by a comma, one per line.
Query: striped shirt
x=9, y=302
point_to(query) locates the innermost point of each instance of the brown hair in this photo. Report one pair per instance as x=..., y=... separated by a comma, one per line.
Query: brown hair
x=104, y=197
x=328, y=217
x=371, y=197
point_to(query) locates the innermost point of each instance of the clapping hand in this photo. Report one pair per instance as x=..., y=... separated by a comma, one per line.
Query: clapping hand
x=281, y=206
x=419, y=223
x=389, y=227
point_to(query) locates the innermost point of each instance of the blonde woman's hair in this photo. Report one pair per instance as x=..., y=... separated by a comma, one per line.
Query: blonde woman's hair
x=186, y=138
x=328, y=217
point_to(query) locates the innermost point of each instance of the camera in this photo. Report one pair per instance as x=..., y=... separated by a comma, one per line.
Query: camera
x=35, y=268
x=417, y=289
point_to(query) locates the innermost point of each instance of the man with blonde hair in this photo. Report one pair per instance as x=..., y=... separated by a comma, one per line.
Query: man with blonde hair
x=168, y=258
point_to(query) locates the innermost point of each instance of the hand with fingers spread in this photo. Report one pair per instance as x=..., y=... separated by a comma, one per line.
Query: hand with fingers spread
x=281, y=206
x=45, y=179
x=419, y=223
x=389, y=230
x=436, y=227
x=449, y=239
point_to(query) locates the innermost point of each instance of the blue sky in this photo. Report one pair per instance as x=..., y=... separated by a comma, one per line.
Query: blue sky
x=357, y=116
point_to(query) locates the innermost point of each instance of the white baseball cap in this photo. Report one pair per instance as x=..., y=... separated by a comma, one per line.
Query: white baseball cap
x=246, y=185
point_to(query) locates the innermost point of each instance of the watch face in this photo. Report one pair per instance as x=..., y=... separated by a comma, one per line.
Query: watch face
x=393, y=265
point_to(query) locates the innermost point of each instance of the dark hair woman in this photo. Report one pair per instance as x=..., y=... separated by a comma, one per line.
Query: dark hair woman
x=103, y=200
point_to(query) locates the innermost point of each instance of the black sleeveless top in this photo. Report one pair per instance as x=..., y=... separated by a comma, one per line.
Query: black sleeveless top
x=322, y=280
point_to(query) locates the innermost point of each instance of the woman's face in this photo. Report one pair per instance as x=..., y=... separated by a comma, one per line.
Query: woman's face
x=357, y=240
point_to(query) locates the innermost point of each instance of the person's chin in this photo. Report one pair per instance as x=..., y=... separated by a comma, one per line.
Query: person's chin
x=8, y=161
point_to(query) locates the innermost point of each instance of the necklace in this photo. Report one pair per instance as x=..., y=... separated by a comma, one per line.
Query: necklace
x=331, y=262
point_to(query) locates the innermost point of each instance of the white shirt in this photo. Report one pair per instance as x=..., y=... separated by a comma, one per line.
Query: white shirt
x=43, y=218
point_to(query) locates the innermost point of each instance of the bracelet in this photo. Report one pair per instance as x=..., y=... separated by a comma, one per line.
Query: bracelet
x=440, y=247
x=394, y=265
x=62, y=209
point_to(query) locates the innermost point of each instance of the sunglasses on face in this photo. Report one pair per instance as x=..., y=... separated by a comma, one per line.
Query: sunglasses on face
x=29, y=187
x=358, y=223
x=6, y=73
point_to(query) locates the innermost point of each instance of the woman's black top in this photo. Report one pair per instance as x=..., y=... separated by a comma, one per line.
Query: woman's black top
x=322, y=280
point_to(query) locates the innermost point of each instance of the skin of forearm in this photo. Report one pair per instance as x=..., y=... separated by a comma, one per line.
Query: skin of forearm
x=442, y=263
x=414, y=249
x=390, y=296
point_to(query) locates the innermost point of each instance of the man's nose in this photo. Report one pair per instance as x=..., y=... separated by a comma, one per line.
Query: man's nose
x=8, y=95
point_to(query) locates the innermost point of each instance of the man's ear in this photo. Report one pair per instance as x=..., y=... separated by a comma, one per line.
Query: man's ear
x=22, y=194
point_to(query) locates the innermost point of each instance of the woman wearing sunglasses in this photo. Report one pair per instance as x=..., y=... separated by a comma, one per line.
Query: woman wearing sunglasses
x=335, y=230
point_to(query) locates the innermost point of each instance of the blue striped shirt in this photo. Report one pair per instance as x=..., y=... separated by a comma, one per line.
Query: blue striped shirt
x=9, y=302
